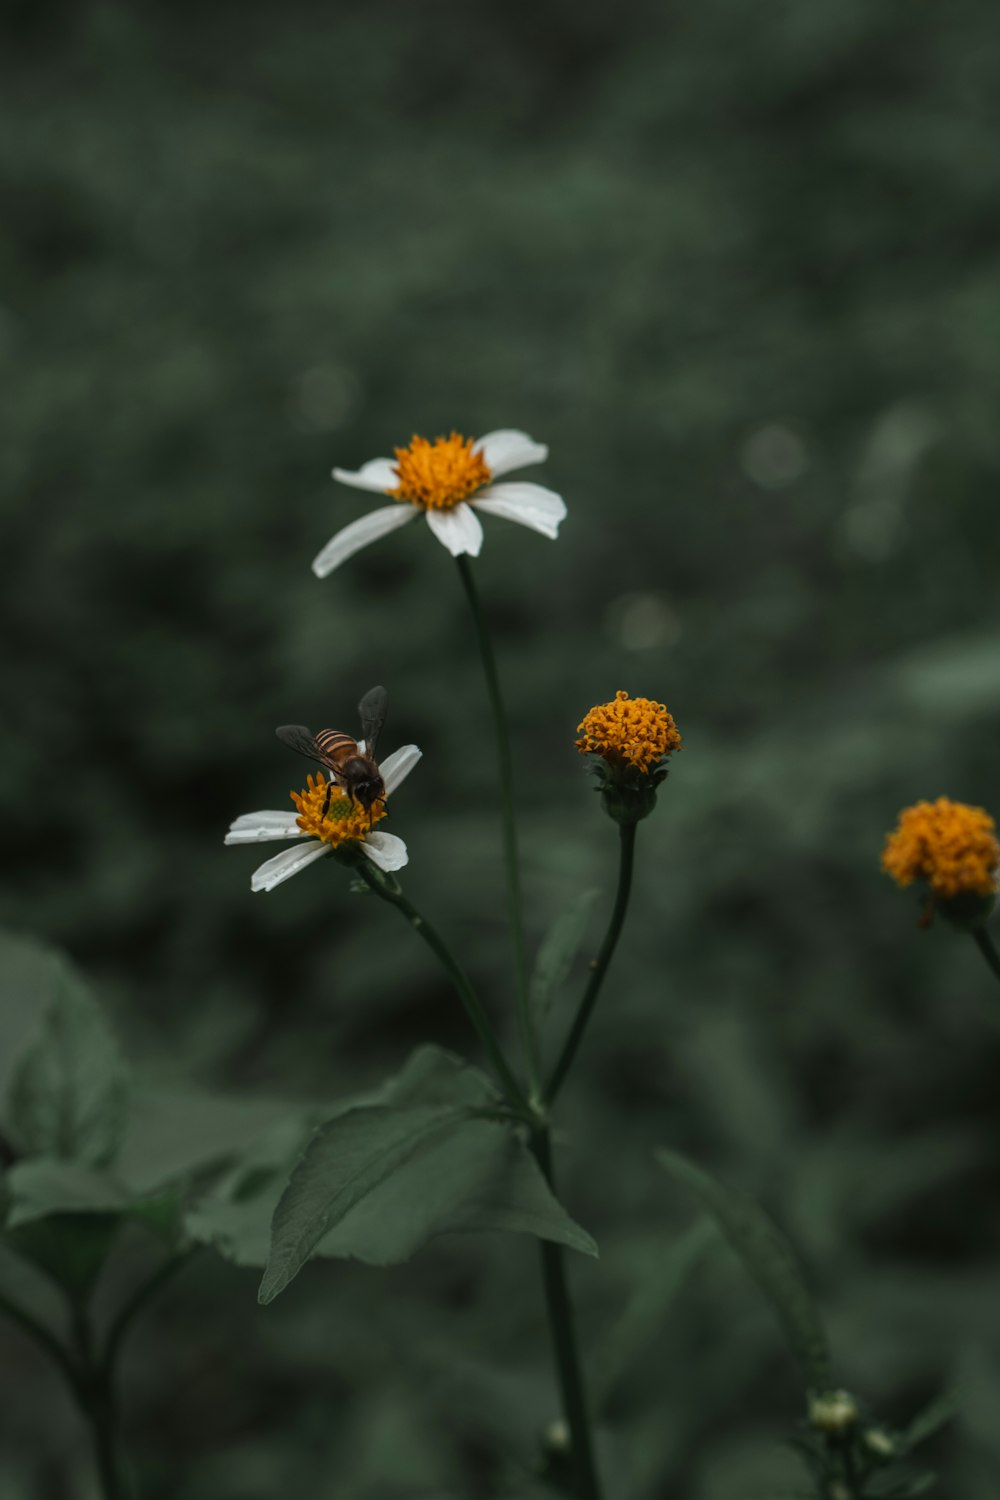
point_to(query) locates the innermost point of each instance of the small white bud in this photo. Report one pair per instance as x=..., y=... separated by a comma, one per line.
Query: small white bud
x=833, y=1412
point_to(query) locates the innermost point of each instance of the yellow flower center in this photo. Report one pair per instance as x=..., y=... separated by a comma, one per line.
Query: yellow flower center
x=949, y=844
x=441, y=474
x=345, y=822
x=629, y=731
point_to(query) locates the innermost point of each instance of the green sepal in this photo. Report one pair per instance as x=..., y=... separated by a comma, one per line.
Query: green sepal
x=967, y=911
x=627, y=795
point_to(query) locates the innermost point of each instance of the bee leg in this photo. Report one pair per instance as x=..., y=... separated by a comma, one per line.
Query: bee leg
x=326, y=799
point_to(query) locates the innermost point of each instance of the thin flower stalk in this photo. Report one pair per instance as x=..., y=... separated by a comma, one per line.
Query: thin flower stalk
x=619, y=911
x=987, y=948
x=96, y=1395
x=529, y=1040
x=90, y=1372
x=629, y=742
x=564, y=1343
x=45, y=1340
x=389, y=890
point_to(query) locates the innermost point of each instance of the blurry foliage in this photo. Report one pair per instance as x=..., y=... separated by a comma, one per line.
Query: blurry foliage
x=738, y=268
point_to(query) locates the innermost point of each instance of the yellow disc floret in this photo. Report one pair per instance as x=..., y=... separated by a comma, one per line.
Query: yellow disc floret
x=949, y=844
x=632, y=732
x=441, y=474
x=346, y=822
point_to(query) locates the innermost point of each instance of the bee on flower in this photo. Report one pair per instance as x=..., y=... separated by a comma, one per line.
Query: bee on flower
x=322, y=825
x=630, y=740
x=449, y=481
x=952, y=848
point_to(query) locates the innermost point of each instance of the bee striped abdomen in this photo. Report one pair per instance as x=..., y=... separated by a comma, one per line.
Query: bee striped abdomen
x=335, y=745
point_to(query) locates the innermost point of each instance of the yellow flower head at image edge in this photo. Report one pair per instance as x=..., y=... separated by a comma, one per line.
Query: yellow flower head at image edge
x=948, y=844
x=632, y=733
x=449, y=481
x=343, y=824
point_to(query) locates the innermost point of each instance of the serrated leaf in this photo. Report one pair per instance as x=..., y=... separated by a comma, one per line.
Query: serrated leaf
x=943, y=1409
x=769, y=1258
x=640, y=1322
x=236, y=1221
x=66, y=1094
x=345, y=1162
x=557, y=952
x=480, y=1179
x=377, y=1182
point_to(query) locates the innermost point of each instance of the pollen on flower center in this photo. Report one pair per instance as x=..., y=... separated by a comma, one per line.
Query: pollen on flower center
x=441, y=474
x=346, y=822
x=949, y=844
x=629, y=732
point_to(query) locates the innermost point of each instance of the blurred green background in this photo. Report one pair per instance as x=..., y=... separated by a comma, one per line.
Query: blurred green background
x=738, y=266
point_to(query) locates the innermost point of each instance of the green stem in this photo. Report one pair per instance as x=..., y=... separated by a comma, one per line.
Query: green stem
x=389, y=890
x=615, y=925
x=564, y=1345
x=986, y=947
x=96, y=1396
x=143, y=1294
x=529, y=1040
x=46, y=1340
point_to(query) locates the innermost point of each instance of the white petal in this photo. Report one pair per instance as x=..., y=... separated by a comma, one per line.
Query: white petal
x=385, y=850
x=528, y=504
x=367, y=529
x=286, y=864
x=260, y=827
x=397, y=766
x=458, y=530
x=376, y=474
x=509, y=449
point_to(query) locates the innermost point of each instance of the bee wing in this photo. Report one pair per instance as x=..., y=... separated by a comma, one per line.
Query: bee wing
x=372, y=709
x=298, y=737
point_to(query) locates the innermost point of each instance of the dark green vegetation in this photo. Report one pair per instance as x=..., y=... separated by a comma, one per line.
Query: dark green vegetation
x=738, y=267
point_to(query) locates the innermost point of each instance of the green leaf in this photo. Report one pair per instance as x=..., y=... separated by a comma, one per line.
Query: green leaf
x=24, y=992
x=234, y=1216
x=71, y=1248
x=174, y=1135
x=346, y=1161
x=557, y=952
x=431, y=1075
x=884, y=1487
x=640, y=1322
x=377, y=1182
x=64, y=1216
x=943, y=1409
x=66, y=1094
x=770, y=1260
x=48, y=1186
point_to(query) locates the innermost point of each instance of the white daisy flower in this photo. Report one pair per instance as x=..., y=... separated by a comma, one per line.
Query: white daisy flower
x=345, y=822
x=448, y=481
